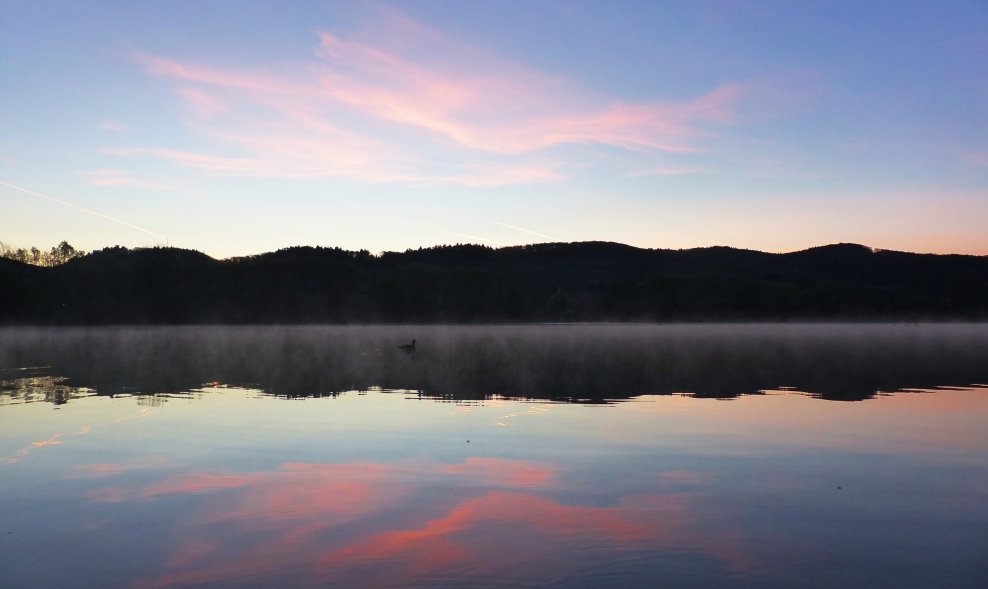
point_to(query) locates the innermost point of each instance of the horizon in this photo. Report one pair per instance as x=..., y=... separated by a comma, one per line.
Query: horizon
x=7, y=247
x=445, y=293
x=239, y=128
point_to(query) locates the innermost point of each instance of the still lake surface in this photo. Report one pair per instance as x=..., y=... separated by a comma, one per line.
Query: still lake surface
x=534, y=456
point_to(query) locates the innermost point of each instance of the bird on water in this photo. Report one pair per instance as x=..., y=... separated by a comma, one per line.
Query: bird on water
x=408, y=348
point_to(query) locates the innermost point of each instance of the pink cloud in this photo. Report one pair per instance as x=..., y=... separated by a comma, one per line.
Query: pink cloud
x=415, y=107
x=514, y=112
x=201, y=101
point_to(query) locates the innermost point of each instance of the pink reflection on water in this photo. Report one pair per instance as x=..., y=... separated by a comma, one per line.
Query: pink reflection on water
x=109, y=469
x=497, y=471
x=376, y=524
x=432, y=545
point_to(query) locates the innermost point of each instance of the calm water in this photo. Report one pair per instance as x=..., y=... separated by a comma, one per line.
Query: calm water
x=549, y=456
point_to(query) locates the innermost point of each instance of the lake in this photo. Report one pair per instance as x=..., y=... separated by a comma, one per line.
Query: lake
x=512, y=456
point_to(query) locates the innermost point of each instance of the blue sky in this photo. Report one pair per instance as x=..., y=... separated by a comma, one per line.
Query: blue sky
x=241, y=127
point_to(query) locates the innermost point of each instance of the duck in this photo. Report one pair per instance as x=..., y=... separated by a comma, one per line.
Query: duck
x=408, y=348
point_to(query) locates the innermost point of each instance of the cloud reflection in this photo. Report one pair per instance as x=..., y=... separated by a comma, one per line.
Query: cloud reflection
x=369, y=524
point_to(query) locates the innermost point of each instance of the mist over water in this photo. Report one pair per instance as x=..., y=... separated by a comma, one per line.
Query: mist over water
x=521, y=456
x=559, y=362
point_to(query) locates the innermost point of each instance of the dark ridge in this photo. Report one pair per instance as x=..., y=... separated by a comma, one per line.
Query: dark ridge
x=548, y=282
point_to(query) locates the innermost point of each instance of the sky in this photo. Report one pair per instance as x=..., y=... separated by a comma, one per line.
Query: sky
x=241, y=127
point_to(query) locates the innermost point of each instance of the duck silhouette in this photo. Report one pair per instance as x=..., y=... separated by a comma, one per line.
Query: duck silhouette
x=408, y=348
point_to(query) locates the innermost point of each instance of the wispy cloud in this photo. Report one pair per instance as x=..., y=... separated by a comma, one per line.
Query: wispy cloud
x=511, y=112
x=111, y=125
x=414, y=106
x=120, y=178
x=672, y=171
x=201, y=101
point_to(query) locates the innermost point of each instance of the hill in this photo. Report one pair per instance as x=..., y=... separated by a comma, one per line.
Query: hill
x=588, y=281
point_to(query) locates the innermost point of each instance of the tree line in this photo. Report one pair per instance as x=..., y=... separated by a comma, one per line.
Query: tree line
x=58, y=255
x=568, y=282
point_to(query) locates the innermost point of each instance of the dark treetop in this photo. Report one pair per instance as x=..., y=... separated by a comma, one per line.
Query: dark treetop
x=589, y=281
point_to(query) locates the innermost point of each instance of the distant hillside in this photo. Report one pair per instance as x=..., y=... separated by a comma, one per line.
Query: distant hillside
x=589, y=281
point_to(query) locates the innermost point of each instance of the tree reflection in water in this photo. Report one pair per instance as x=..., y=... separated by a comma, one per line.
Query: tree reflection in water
x=578, y=363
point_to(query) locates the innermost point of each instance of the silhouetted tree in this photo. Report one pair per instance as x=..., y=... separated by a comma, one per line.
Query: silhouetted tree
x=58, y=255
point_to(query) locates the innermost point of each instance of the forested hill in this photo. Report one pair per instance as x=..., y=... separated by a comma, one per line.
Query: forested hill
x=589, y=281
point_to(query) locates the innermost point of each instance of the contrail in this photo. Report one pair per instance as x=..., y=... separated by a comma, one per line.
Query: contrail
x=527, y=231
x=61, y=202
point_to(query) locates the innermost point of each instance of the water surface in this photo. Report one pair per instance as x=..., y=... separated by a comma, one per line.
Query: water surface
x=551, y=456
